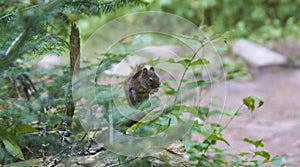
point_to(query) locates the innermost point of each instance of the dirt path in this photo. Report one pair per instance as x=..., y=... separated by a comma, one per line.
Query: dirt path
x=277, y=123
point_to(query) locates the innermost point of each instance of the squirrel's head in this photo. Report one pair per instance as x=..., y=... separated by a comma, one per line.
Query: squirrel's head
x=149, y=78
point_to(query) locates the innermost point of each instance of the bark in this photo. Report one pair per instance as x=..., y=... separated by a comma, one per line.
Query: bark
x=74, y=67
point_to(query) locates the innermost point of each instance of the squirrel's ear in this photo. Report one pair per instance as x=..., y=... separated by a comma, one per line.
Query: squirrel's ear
x=144, y=72
x=152, y=69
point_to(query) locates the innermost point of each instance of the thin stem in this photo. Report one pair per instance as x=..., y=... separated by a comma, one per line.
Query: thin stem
x=227, y=124
x=185, y=70
x=111, y=132
x=237, y=111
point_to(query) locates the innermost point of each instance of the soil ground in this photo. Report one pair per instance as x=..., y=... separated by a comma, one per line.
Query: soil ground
x=277, y=122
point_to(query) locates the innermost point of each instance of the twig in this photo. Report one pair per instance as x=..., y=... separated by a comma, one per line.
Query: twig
x=186, y=68
x=236, y=113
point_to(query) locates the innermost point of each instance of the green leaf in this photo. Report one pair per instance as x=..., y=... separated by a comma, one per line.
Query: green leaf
x=153, y=62
x=13, y=148
x=203, y=111
x=264, y=154
x=173, y=119
x=187, y=61
x=25, y=129
x=188, y=56
x=243, y=153
x=217, y=138
x=170, y=90
x=251, y=101
x=2, y=102
x=222, y=50
x=257, y=143
x=231, y=113
x=200, y=61
x=260, y=101
x=214, y=113
x=185, y=108
x=277, y=161
x=195, y=84
x=184, y=62
x=194, y=38
x=170, y=60
x=107, y=54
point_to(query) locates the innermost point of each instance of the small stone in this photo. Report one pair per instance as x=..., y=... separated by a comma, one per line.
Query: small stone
x=257, y=55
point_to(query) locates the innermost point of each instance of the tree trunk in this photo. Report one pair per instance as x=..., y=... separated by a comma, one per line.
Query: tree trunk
x=74, y=67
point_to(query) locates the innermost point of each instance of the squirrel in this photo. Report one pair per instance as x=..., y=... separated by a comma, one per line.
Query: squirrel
x=140, y=84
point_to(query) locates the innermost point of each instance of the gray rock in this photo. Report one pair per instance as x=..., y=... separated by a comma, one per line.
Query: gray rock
x=257, y=55
x=49, y=62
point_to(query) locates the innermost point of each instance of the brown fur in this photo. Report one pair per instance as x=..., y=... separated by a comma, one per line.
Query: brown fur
x=140, y=84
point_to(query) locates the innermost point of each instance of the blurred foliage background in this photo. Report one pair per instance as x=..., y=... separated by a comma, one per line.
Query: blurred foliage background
x=260, y=21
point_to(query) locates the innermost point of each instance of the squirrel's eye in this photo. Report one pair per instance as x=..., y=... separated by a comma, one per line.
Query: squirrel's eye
x=150, y=79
